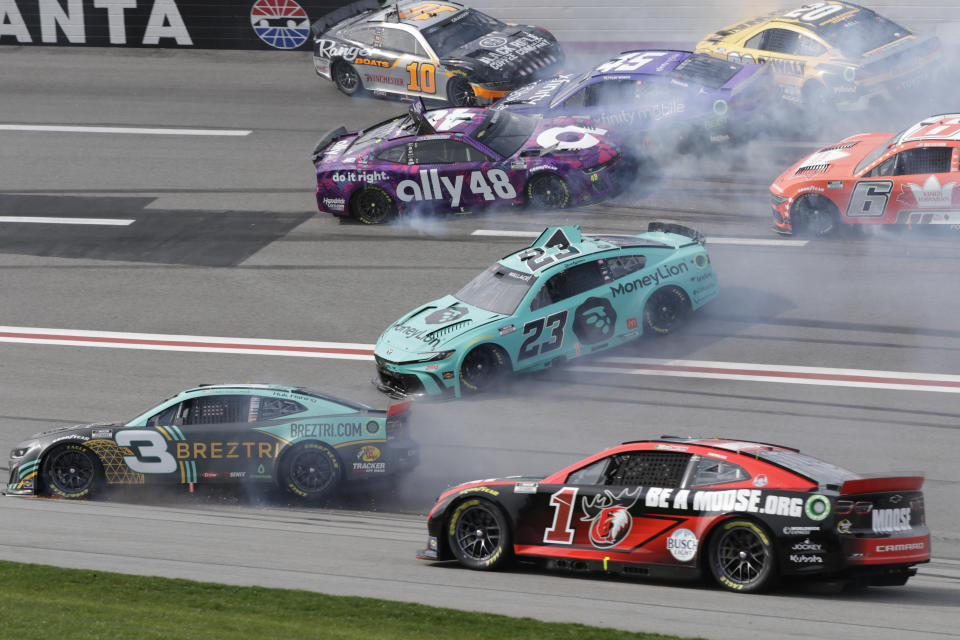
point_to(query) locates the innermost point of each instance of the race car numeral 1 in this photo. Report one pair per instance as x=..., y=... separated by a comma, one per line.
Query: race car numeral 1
x=535, y=327
x=150, y=449
x=425, y=79
x=869, y=199
x=560, y=532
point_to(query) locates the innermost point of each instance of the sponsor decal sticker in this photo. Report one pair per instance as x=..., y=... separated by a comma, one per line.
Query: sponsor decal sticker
x=760, y=481
x=526, y=487
x=798, y=558
x=807, y=546
x=798, y=531
x=682, y=545
x=844, y=526
x=368, y=453
x=334, y=204
x=97, y=434
x=632, y=323
x=282, y=24
x=609, y=516
x=817, y=507
x=492, y=42
x=443, y=316
x=891, y=520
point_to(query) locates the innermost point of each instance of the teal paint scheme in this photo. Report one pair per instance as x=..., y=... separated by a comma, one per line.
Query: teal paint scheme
x=564, y=296
x=302, y=441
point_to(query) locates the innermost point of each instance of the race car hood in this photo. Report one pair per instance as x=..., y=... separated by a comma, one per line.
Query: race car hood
x=517, y=484
x=834, y=162
x=82, y=431
x=536, y=96
x=508, y=55
x=435, y=326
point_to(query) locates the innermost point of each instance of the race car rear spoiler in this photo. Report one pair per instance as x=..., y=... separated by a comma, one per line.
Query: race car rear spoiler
x=336, y=16
x=665, y=226
x=328, y=137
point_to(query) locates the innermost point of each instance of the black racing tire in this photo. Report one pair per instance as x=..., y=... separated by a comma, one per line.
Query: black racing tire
x=548, y=191
x=346, y=78
x=460, y=93
x=372, y=205
x=479, y=535
x=814, y=215
x=71, y=471
x=666, y=309
x=310, y=470
x=482, y=368
x=741, y=556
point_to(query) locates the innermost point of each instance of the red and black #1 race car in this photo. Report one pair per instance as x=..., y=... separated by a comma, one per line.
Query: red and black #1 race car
x=746, y=513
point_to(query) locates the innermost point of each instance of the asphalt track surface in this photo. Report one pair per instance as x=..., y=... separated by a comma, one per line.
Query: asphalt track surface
x=224, y=242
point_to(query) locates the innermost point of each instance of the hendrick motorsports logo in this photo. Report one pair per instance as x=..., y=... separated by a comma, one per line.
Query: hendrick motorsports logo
x=610, y=515
x=282, y=24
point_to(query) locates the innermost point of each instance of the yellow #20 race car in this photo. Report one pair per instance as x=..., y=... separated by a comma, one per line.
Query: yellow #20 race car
x=831, y=54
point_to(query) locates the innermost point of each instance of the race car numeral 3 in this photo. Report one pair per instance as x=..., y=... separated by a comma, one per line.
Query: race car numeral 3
x=869, y=199
x=560, y=531
x=535, y=327
x=425, y=80
x=150, y=449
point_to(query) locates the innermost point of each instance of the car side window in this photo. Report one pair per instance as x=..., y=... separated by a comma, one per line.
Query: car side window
x=267, y=408
x=216, y=410
x=568, y=283
x=807, y=46
x=363, y=35
x=923, y=160
x=647, y=469
x=711, y=471
x=165, y=417
x=398, y=40
x=781, y=41
x=593, y=473
x=578, y=99
x=885, y=168
x=624, y=265
x=756, y=41
x=445, y=152
x=396, y=154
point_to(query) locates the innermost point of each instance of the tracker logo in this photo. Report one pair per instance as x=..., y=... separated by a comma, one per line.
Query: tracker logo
x=282, y=24
x=443, y=316
x=610, y=516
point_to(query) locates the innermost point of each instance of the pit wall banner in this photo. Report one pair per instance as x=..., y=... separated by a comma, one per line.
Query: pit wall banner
x=285, y=24
x=200, y=24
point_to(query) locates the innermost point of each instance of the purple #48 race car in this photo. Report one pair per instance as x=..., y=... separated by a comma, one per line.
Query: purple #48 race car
x=680, y=99
x=463, y=159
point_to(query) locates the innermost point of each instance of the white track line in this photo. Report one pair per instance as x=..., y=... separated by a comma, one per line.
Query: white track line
x=757, y=242
x=863, y=378
x=135, y=130
x=114, y=222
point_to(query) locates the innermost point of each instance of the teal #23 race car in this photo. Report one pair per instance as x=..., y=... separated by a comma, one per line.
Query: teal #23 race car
x=564, y=296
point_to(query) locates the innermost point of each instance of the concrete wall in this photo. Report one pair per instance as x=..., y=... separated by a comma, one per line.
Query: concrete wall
x=684, y=22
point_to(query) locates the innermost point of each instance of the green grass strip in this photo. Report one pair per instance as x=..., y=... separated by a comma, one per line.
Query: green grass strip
x=38, y=601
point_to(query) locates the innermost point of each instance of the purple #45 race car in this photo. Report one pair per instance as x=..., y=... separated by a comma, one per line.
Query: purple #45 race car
x=460, y=160
x=687, y=98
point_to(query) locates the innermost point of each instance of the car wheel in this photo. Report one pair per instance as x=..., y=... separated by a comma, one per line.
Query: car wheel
x=815, y=215
x=71, y=471
x=741, y=557
x=482, y=367
x=665, y=310
x=460, y=93
x=347, y=79
x=310, y=470
x=479, y=535
x=372, y=205
x=548, y=191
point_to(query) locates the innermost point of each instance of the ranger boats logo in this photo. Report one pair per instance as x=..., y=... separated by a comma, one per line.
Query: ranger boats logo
x=610, y=516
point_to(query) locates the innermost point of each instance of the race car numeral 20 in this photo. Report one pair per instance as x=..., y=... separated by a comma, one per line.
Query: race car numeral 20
x=432, y=186
x=555, y=322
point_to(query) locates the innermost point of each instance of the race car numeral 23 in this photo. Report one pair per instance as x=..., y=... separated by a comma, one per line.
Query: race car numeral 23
x=423, y=77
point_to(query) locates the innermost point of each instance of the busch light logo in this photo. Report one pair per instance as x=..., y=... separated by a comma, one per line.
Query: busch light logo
x=682, y=545
x=443, y=316
x=282, y=24
x=594, y=320
x=610, y=517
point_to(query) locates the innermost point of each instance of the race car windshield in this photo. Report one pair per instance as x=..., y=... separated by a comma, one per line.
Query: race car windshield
x=876, y=153
x=505, y=132
x=572, y=88
x=449, y=36
x=864, y=32
x=817, y=470
x=498, y=289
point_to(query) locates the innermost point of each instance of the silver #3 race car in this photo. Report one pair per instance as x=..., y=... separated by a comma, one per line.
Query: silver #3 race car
x=435, y=50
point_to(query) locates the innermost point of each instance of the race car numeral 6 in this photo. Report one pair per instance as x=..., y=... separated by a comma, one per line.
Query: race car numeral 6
x=869, y=199
x=560, y=531
x=425, y=80
x=535, y=327
x=150, y=449
x=815, y=11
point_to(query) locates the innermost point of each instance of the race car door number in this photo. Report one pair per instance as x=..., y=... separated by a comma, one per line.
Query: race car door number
x=869, y=199
x=555, y=322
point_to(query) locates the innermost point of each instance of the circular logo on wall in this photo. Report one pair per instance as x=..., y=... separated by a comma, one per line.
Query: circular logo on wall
x=594, y=320
x=492, y=42
x=282, y=24
x=682, y=544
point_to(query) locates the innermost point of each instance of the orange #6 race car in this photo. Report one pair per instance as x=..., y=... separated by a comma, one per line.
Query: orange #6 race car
x=831, y=54
x=874, y=178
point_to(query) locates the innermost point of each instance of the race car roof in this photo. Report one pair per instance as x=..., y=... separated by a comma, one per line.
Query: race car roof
x=943, y=127
x=687, y=66
x=556, y=240
x=413, y=12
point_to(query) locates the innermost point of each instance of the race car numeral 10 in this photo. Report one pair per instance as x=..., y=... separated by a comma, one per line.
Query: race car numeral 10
x=424, y=80
x=560, y=532
x=150, y=449
x=535, y=327
x=869, y=199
